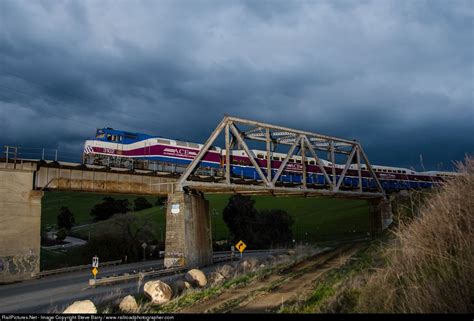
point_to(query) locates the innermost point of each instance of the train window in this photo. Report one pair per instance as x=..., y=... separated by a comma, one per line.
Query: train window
x=298, y=161
x=109, y=137
x=163, y=141
x=179, y=143
x=312, y=162
x=260, y=156
x=100, y=135
x=276, y=158
x=291, y=160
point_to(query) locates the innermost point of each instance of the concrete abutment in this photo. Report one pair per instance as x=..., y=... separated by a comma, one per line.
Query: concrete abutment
x=20, y=225
x=380, y=210
x=188, y=231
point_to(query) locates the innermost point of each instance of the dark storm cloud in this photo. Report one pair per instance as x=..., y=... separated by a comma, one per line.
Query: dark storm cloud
x=396, y=75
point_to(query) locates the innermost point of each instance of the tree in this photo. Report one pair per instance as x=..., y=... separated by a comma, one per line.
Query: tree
x=124, y=237
x=257, y=229
x=65, y=218
x=239, y=214
x=141, y=203
x=109, y=207
x=275, y=228
x=161, y=201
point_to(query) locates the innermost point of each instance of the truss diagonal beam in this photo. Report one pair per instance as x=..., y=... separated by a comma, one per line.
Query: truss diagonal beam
x=371, y=170
x=346, y=167
x=320, y=164
x=203, y=151
x=287, y=158
x=250, y=155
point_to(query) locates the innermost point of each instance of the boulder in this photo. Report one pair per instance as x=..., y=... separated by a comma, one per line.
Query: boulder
x=271, y=258
x=180, y=285
x=226, y=271
x=158, y=291
x=250, y=264
x=196, y=277
x=128, y=304
x=85, y=306
x=215, y=278
x=283, y=257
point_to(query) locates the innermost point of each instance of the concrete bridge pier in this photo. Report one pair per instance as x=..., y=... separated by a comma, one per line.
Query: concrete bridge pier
x=188, y=231
x=20, y=224
x=380, y=209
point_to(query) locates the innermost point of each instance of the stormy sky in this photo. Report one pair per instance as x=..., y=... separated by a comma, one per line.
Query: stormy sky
x=396, y=75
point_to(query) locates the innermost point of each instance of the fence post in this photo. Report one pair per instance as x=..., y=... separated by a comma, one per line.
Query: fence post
x=42, y=155
x=14, y=159
x=6, y=157
x=56, y=156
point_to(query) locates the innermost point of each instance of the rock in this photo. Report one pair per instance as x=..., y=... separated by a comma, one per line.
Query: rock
x=283, y=257
x=180, y=285
x=196, y=277
x=291, y=252
x=271, y=258
x=158, y=291
x=85, y=306
x=226, y=271
x=215, y=278
x=128, y=304
x=249, y=265
x=262, y=266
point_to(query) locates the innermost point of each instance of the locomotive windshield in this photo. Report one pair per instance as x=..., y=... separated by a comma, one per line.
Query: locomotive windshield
x=100, y=134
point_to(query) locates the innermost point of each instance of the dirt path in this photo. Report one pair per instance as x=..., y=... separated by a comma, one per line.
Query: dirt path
x=294, y=288
x=269, y=293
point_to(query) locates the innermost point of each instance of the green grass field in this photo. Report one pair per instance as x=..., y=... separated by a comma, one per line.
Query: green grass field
x=79, y=203
x=316, y=219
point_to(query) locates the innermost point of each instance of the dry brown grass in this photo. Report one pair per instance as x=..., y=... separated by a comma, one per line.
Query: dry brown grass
x=430, y=266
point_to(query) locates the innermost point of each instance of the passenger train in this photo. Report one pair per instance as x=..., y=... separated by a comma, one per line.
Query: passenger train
x=116, y=148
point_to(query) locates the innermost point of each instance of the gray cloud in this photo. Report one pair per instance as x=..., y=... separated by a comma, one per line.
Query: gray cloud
x=397, y=76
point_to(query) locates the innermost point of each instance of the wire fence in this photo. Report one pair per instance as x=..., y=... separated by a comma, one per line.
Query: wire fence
x=16, y=153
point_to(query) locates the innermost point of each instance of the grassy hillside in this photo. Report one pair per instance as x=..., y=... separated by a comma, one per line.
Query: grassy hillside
x=423, y=265
x=79, y=203
x=315, y=219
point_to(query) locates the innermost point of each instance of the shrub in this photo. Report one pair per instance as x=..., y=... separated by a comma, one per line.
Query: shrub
x=257, y=229
x=141, y=203
x=109, y=207
x=65, y=218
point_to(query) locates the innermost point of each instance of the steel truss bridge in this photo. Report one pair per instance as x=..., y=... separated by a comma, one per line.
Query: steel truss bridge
x=239, y=133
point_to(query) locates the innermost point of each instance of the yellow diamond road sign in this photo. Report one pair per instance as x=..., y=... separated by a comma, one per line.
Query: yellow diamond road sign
x=240, y=246
x=94, y=271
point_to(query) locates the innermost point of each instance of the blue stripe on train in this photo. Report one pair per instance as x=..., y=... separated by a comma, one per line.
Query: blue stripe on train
x=250, y=172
